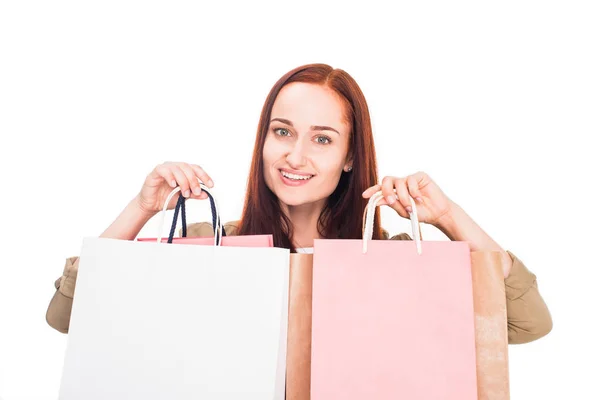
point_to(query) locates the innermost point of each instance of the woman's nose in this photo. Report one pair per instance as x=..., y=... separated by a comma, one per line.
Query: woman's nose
x=296, y=157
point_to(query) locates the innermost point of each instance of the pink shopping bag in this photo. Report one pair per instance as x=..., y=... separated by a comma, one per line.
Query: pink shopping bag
x=392, y=319
x=236, y=241
x=239, y=241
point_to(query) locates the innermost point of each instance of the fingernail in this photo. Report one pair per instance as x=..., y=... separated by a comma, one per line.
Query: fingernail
x=197, y=191
x=409, y=209
x=186, y=193
x=419, y=200
x=391, y=199
x=173, y=184
x=210, y=183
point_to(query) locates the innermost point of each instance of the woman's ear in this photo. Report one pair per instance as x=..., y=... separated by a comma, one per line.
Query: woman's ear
x=348, y=165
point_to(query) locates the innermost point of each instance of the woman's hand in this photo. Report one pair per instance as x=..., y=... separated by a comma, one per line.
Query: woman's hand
x=432, y=204
x=164, y=178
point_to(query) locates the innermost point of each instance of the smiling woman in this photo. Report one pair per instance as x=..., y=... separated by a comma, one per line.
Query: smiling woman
x=314, y=126
x=312, y=173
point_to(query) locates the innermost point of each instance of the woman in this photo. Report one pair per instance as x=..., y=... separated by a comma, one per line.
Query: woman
x=313, y=166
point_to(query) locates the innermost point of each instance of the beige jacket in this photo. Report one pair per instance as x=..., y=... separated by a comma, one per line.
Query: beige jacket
x=528, y=316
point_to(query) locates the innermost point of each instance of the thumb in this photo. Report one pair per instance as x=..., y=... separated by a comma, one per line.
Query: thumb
x=371, y=191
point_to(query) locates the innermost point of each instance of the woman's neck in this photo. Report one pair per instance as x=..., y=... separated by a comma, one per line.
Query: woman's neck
x=304, y=219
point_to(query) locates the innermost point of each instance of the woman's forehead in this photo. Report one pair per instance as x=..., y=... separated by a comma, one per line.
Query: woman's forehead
x=307, y=104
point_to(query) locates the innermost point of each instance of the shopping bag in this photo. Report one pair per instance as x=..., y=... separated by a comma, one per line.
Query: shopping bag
x=299, y=327
x=491, y=328
x=245, y=240
x=153, y=320
x=392, y=319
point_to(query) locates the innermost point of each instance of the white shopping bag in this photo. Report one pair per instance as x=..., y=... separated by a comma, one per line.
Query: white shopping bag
x=177, y=321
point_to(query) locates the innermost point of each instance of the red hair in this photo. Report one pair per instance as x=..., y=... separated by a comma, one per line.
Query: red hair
x=341, y=217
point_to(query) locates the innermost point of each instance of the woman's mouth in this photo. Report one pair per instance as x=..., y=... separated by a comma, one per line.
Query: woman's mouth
x=291, y=179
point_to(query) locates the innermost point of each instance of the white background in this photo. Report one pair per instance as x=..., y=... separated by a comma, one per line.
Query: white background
x=498, y=102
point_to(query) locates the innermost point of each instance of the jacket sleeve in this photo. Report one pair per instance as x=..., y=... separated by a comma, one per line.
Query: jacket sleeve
x=58, y=314
x=527, y=314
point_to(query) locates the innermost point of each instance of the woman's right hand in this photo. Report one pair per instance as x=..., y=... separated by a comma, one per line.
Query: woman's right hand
x=164, y=178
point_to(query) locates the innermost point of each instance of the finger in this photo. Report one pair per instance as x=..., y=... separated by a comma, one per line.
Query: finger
x=201, y=173
x=387, y=189
x=182, y=180
x=192, y=178
x=382, y=202
x=371, y=191
x=165, y=172
x=403, y=195
x=397, y=206
x=413, y=188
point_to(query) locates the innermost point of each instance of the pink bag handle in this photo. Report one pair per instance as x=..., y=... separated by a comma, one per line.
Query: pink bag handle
x=164, y=212
x=369, y=221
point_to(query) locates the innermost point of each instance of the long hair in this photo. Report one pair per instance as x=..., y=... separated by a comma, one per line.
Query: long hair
x=341, y=217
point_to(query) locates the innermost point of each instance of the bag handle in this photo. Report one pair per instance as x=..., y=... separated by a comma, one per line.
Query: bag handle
x=217, y=223
x=181, y=206
x=369, y=221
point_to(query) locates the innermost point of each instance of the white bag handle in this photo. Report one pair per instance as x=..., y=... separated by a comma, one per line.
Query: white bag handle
x=217, y=228
x=369, y=221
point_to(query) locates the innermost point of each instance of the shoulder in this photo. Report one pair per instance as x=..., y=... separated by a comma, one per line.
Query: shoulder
x=385, y=235
x=400, y=236
x=201, y=229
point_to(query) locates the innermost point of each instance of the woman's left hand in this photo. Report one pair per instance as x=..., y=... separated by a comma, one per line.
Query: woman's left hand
x=432, y=204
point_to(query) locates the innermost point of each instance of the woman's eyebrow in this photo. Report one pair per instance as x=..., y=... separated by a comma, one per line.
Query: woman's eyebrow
x=314, y=127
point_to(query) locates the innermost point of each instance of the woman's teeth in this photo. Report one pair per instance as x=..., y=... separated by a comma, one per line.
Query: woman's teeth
x=296, y=177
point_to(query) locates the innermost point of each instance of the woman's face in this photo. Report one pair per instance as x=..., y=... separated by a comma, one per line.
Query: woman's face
x=307, y=143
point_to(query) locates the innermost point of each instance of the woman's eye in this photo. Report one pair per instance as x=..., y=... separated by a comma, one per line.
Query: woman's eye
x=281, y=132
x=323, y=140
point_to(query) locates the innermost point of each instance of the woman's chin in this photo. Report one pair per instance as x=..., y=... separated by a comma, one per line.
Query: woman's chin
x=298, y=200
x=291, y=200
